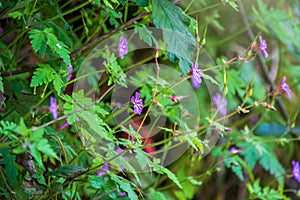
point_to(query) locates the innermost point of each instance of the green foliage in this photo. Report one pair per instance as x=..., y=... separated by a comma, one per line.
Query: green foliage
x=116, y=73
x=232, y=4
x=145, y=35
x=162, y=170
x=40, y=146
x=125, y=186
x=40, y=39
x=263, y=153
x=8, y=160
x=235, y=163
x=1, y=85
x=67, y=171
x=45, y=74
x=181, y=44
x=46, y=158
x=265, y=193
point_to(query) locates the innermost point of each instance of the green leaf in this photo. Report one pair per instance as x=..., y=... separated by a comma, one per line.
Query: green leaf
x=96, y=182
x=41, y=38
x=232, y=4
x=218, y=125
x=185, y=65
x=1, y=85
x=142, y=158
x=9, y=129
x=92, y=126
x=162, y=170
x=156, y=195
x=145, y=34
x=38, y=41
x=8, y=161
x=234, y=163
x=57, y=83
x=270, y=163
x=266, y=193
x=171, y=19
x=126, y=186
x=41, y=144
x=123, y=2
x=142, y=3
x=262, y=152
x=67, y=171
x=180, y=195
x=189, y=189
x=15, y=15
x=42, y=75
x=57, y=46
x=116, y=73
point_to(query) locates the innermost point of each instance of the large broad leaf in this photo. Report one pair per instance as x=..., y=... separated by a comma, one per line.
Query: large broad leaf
x=175, y=23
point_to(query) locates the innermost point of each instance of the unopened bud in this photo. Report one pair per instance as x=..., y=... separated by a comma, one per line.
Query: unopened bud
x=156, y=53
x=203, y=41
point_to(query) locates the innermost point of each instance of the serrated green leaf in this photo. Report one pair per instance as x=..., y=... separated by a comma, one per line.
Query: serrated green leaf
x=185, y=65
x=171, y=19
x=270, y=163
x=38, y=41
x=41, y=38
x=8, y=161
x=162, y=170
x=16, y=15
x=57, y=83
x=67, y=171
x=142, y=158
x=266, y=193
x=43, y=74
x=96, y=182
x=259, y=151
x=57, y=46
x=145, y=34
x=41, y=144
x=117, y=75
x=126, y=186
x=8, y=129
x=234, y=164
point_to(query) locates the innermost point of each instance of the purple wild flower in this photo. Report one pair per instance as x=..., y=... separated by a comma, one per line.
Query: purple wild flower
x=123, y=47
x=263, y=47
x=220, y=103
x=296, y=171
x=65, y=125
x=285, y=87
x=122, y=194
x=104, y=170
x=234, y=150
x=137, y=103
x=70, y=70
x=196, y=76
x=53, y=107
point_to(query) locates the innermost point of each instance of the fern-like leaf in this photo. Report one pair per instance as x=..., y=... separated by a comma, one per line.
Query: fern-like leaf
x=43, y=75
